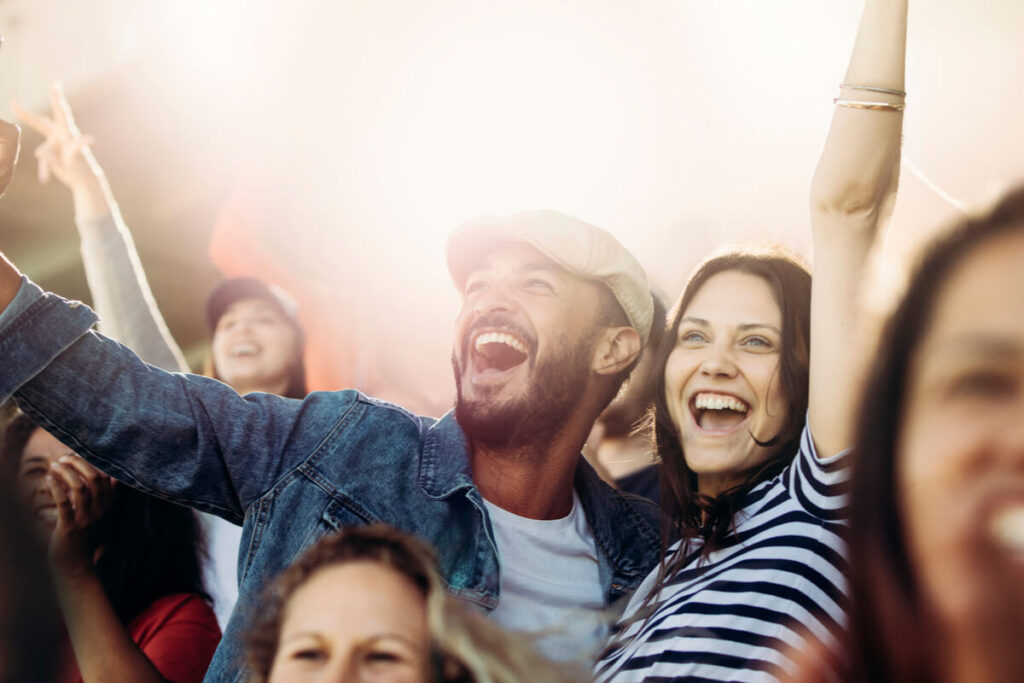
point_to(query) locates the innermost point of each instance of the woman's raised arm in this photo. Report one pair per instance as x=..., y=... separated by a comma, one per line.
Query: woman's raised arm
x=852, y=195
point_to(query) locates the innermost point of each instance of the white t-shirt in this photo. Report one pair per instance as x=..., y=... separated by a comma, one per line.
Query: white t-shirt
x=550, y=585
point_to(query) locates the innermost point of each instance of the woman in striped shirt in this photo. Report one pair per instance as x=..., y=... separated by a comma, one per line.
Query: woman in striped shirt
x=752, y=418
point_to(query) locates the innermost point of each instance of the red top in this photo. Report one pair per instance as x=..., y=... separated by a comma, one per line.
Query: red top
x=178, y=633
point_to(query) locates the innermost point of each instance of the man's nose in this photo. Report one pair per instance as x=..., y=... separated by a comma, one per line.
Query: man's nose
x=495, y=298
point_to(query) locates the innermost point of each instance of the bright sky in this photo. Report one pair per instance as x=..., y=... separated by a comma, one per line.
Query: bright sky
x=677, y=124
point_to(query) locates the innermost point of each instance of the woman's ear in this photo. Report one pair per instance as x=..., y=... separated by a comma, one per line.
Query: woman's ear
x=616, y=350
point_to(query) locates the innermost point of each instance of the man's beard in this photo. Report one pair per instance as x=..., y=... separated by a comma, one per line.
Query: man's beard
x=555, y=390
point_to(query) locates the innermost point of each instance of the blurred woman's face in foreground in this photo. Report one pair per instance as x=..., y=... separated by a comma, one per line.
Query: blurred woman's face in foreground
x=358, y=621
x=960, y=471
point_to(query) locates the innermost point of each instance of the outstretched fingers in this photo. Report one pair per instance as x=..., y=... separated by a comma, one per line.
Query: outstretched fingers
x=62, y=110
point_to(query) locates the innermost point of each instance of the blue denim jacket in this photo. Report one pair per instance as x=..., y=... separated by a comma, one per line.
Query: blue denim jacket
x=289, y=471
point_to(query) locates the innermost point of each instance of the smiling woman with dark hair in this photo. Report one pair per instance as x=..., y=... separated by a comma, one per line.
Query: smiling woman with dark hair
x=752, y=416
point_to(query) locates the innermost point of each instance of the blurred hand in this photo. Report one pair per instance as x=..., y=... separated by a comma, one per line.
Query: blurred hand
x=65, y=153
x=81, y=494
x=10, y=143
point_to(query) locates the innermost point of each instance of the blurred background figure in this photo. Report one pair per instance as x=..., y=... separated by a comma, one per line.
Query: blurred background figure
x=367, y=604
x=936, y=533
x=256, y=341
x=29, y=628
x=619, y=447
x=126, y=567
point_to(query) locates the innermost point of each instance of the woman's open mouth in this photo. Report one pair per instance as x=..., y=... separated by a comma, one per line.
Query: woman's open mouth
x=1006, y=528
x=714, y=412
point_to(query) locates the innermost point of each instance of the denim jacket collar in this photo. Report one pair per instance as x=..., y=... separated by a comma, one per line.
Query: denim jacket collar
x=628, y=541
x=444, y=467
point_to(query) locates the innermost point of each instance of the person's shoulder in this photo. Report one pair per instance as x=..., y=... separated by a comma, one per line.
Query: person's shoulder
x=190, y=606
x=643, y=506
x=353, y=398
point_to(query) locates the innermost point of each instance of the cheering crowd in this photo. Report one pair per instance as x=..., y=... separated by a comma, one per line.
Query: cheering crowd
x=831, y=504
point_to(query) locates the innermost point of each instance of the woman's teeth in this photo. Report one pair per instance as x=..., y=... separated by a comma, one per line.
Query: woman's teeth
x=709, y=401
x=47, y=514
x=244, y=350
x=1007, y=528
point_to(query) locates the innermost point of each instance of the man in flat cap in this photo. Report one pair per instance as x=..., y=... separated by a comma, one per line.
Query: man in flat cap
x=554, y=314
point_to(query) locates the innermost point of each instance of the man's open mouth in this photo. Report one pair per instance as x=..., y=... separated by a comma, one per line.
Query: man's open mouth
x=718, y=412
x=496, y=352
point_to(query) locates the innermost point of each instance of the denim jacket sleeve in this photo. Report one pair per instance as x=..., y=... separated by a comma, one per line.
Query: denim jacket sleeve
x=188, y=439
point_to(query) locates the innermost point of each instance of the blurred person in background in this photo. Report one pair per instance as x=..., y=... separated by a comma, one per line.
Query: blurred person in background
x=256, y=342
x=620, y=449
x=29, y=628
x=367, y=604
x=126, y=566
x=754, y=409
x=936, y=531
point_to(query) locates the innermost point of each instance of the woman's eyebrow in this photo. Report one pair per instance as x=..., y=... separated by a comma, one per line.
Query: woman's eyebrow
x=754, y=326
x=979, y=344
x=34, y=460
x=695, y=321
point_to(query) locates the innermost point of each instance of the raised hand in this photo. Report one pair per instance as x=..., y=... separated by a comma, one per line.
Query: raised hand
x=82, y=495
x=65, y=153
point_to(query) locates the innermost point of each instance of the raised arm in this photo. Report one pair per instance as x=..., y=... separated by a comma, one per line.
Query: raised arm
x=120, y=292
x=852, y=195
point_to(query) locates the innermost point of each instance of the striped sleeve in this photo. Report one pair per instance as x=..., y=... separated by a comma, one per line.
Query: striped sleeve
x=820, y=486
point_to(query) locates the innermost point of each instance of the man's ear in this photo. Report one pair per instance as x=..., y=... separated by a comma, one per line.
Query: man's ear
x=616, y=350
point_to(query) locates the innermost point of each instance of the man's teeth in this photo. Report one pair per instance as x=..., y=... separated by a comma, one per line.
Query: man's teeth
x=708, y=401
x=1007, y=528
x=500, y=338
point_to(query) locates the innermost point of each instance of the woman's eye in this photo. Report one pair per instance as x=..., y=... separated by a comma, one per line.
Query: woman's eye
x=309, y=654
x=692, y=336
x=538, y=284
x=757, y=342
x=473, y=287
x=383, y=656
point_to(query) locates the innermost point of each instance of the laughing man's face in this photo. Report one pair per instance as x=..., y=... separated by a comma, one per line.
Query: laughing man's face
x=524, y=343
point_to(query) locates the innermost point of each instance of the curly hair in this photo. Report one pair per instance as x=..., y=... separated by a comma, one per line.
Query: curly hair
x=465, y=647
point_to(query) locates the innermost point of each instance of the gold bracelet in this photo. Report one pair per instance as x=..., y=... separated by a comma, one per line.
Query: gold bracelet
x=872, y=88
x=865, y=104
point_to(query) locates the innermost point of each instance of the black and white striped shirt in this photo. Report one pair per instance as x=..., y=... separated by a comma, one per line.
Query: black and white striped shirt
x=742, y=614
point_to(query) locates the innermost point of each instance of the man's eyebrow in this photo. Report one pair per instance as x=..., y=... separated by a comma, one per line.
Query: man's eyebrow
x=541, y=265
